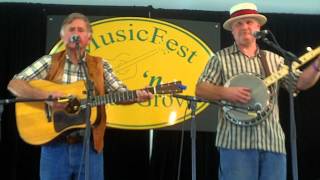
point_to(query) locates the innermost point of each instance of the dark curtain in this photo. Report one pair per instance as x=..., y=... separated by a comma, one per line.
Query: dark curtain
x=23, y=32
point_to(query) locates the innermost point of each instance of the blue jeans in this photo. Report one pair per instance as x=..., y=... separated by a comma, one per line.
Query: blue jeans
x=252, y=165
x=62, y=161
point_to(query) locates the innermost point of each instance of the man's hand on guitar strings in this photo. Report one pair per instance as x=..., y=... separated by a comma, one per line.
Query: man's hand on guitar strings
x=53, y=101
x=238, y=95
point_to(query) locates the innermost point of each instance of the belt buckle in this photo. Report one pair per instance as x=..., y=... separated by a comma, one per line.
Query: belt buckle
x=73, y=139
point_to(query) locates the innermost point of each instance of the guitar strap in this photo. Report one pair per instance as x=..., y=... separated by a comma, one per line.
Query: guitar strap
x=265, y=66
x=264, y=63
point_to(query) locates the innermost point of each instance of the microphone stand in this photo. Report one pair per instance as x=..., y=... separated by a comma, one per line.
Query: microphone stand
x=290, y=57
x=90, y=99
x=192, y=104
x=1, y=110
x=193, y=130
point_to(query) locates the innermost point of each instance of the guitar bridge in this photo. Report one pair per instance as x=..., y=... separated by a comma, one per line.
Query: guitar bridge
x=48, y=111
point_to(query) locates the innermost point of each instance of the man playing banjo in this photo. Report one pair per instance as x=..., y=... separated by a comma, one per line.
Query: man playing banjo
x=251, y=145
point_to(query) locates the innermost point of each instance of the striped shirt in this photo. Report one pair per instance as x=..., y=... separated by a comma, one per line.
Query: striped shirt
x=267, y=135
x=72, y=73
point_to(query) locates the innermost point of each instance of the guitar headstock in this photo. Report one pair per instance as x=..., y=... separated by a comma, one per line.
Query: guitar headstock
x=170, y=88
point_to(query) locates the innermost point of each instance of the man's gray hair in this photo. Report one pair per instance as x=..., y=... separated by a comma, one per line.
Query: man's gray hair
x=73, y=16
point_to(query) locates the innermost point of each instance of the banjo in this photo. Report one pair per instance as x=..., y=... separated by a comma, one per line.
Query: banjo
x=262, y=101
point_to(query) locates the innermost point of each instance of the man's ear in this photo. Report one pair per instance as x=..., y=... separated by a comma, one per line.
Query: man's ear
x=259, y=26
x=62, y=38
x=90, y=36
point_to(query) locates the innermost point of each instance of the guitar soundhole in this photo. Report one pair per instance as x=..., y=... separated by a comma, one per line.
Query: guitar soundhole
x=73, y=106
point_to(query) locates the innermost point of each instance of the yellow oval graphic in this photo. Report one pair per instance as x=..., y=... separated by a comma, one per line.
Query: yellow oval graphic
x=148, y=52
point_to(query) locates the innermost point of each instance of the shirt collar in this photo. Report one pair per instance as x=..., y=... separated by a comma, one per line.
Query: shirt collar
x=83, y=58
x=234, y=49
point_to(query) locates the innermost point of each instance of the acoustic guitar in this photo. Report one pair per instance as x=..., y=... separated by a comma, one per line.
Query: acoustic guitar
x=39, y=124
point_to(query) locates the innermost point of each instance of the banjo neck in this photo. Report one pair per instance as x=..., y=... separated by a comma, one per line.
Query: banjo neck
x=274, y=77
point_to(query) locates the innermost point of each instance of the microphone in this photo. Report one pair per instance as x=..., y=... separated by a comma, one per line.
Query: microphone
x=74, y=39
x=260, y=34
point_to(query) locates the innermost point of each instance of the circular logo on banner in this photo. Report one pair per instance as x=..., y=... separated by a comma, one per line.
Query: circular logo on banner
x=148, y=52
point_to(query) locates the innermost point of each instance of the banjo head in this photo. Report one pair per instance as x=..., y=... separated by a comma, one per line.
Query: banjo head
x=257, y=109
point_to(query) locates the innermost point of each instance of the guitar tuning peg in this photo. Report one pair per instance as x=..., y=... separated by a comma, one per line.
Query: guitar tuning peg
x=309, y=49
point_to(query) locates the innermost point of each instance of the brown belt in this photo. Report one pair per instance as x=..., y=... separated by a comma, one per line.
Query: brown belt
x=70, y=139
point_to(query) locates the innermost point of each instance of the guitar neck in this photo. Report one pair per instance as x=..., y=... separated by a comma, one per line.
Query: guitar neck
x=274, y=77
x=118, y=97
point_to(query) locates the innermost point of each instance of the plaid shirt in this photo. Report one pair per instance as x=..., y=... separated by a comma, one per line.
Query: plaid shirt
x=72, y=73
x=267, y=135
